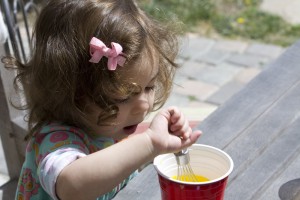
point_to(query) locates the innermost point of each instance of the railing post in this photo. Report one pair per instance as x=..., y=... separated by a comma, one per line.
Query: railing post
x=11, y=153
x=11, y=27
x=12, y=126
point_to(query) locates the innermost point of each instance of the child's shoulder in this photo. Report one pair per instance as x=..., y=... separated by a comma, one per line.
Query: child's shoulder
x=59, y=135
x=53, y=136
x=57, y=127
x=59, y=131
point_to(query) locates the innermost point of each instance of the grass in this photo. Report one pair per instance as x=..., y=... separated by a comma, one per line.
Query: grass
x=225, y=18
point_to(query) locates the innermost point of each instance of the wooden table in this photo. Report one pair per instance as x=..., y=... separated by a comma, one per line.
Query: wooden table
x=260, y=128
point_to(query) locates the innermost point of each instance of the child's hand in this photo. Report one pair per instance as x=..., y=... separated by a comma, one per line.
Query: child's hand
x=170, y=131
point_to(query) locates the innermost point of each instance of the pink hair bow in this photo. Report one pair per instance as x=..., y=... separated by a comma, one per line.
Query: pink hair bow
x=98, y=49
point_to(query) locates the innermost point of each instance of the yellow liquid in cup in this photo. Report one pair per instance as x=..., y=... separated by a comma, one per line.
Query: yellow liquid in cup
x=189, y=179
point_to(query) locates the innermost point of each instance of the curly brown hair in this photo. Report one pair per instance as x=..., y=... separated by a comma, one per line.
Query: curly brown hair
x=58, y=76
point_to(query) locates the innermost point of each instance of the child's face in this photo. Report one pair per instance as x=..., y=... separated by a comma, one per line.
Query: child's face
x=132, y=111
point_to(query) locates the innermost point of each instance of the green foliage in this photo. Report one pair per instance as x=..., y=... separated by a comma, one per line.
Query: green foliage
x=229, y=18
x=251, y=23
x=188, y=11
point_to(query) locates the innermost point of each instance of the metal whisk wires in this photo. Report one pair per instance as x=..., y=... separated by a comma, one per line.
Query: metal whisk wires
x=184, y=169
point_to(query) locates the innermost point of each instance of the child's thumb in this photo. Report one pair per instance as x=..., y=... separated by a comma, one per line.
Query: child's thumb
x=195, y=136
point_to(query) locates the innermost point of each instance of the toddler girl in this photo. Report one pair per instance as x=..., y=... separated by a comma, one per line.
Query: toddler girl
x=98, y=68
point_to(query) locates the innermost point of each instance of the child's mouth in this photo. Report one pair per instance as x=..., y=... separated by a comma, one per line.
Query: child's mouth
x=128, y=130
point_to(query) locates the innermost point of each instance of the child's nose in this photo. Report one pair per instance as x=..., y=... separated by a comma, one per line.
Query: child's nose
x=141, y=106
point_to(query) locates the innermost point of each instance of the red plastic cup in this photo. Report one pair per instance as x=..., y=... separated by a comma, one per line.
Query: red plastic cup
x=207, y=161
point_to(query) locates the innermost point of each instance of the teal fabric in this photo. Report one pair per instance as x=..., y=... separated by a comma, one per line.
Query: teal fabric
x=50, y=138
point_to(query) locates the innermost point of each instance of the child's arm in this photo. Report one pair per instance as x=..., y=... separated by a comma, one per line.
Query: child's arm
x=98, y=173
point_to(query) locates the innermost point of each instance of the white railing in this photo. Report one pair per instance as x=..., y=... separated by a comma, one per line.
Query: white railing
x=19, y=17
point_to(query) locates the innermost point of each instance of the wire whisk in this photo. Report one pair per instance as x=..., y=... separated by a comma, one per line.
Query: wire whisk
x=184, y=169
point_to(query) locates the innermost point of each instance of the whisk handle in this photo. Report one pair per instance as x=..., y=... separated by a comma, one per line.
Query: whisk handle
x=182, y=157
x=182, y=152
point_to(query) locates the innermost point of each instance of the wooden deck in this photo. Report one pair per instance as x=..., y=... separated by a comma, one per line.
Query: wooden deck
x=260, y=128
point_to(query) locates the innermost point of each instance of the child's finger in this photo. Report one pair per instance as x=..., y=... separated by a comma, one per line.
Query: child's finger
x=179, y=124
x=183, y=130
x=187, y=134
x=175, y=114
x=192, y=139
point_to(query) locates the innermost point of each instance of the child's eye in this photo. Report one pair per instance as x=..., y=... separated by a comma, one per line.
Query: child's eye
x=119, y=101
x=150, y=88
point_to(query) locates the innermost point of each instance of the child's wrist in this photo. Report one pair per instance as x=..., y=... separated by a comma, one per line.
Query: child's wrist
x=154, y=151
